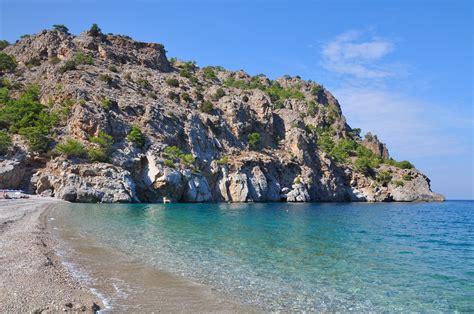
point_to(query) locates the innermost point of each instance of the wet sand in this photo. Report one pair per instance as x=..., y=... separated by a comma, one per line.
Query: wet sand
x=33, y=279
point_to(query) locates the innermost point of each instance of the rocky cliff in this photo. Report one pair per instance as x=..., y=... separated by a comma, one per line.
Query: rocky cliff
x=104, y=118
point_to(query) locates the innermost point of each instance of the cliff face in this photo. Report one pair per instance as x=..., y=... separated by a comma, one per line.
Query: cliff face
x=183, y=133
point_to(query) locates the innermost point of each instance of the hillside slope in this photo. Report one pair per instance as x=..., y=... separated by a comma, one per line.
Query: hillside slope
x=103, y=118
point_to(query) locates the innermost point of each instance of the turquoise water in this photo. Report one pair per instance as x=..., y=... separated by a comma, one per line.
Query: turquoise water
x=342, y=256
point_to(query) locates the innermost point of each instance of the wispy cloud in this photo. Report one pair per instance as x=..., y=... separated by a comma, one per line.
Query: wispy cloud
x=376, y=94
x=356, y=54
x=412, y=128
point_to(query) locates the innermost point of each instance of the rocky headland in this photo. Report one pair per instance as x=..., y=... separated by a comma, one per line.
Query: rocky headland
x=103, y=118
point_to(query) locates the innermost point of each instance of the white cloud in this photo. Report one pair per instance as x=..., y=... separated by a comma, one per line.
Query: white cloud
x=411, y=128
x=353, y=54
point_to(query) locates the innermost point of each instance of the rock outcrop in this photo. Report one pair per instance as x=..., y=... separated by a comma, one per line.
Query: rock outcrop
x=208, y=134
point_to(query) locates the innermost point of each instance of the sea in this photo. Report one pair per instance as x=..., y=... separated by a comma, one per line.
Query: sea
x=363, y=257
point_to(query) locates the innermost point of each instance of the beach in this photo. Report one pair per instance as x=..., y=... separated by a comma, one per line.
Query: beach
x=34, y=277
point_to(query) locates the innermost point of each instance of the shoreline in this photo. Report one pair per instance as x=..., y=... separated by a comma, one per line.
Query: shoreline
x=34, y=279
x=37, y=278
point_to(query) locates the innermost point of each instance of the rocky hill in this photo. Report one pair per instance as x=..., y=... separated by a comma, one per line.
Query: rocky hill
x=104, y=118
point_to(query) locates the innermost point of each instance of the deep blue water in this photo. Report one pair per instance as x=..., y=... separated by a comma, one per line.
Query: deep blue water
x=342, y=256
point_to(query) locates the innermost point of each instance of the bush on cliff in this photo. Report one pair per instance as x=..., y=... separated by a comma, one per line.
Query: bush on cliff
x=206, y=106
x=28, y=117
x=209, y=73
x=136, y=136
x=61, y=28
x=104, y=142
x=94, y=30
x=5, y=142
x=254, y=140
x=404, y=164
x=4, y=44
x=172, y=82
x=69, y=65
x=71, y=148
x=7, y=63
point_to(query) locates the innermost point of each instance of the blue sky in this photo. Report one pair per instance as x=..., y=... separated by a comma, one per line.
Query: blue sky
x=401, y=69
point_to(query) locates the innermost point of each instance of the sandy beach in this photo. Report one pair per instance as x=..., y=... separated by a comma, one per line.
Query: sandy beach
x=33, y=279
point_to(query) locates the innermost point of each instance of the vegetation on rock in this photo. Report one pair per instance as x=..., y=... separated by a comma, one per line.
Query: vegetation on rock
x=7, y=63
x=71, y=148
x=136, y=136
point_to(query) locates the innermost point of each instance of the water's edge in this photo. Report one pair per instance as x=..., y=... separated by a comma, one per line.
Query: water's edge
x=123, y=283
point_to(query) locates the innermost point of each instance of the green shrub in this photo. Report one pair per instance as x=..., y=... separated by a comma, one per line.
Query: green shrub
x=186, y=97
x=106, y=78
x=101, y=153
x=369, y=137
x=219, y=94
x=325, y=142
x=189, y=66
x=254, y=140
x=276, y=92
x=407, y=177
x=103, y=140
x=144, y=84
x=7, y=63
x=173, y=96
x=98, y=154
x=172, y=82
x=185, y=73
x=4, y=44
x=173, y=60
x=342, y=150
x=69, y=65
x=312, y=108
x=33, y=62
x=136, y=136
x=355, y=133
x=107, y=103
x=384, y=177
x=71, y=148
x=194, y=80
x=94, y=30
x=398, y=183
x=4, y=95
x=187, y=159
x=223, y=161
x=404, y=164
x=173, y=152
x=366, y=160
x=5, y=142
x=82, y=58
x=61, y=28
x=37, y=137
x=27, y=116
x=206, y=106
x=209, y=73
x=316, y=90
x=169, y=163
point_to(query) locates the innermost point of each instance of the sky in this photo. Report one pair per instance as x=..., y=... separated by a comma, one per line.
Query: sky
x=400, y=69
